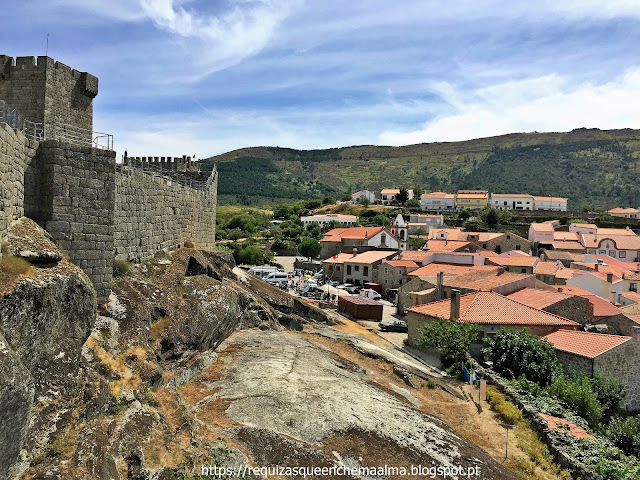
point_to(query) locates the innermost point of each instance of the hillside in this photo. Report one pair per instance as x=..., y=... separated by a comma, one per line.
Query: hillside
x=598, y=166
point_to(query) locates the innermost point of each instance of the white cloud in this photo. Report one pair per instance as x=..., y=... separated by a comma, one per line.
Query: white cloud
x=549, y=103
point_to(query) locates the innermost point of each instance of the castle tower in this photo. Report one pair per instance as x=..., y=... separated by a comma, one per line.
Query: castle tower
x=47, y=91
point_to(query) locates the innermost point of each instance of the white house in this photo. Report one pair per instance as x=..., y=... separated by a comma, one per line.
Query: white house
x=359, y=196
x=625, y=248
x=389, y=194
x=624, y=212
x=604, y=285
x=400, y=229
x=322, y=220
x=437, y=201
x=425, y=222
x=514, y=201
x=557, y=204
x=541, y=232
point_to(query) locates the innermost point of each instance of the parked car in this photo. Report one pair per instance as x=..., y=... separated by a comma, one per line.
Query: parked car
x=277, y=277
x=344, y=286
x=353, y=289
x=262, y=271
x=369, y=293
x=393, y=326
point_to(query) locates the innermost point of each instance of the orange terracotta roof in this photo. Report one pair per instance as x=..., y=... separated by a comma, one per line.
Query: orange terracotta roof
x=585, y=344
x=511, y=253
x=484, y=280
x=487, y=253
x=414, y=255
x=565, y=273
x=542, y=227
x=562, y=255
x=633, y=296
x=585, y=225
x=451, y=270
x=615, y=231
x=371, y=256
x=480, y=196
x=402, y=263
x=601, y=306
x=390, y=191
x=556, y=423
x=507, y=195
x=622, y=242
x=604, y=275
x=359, y=233
x=493, y=309
x=624, y=210
x=485, y=236
x=632, y=276
x=446, y=245
x=567, y=245
x=545, y=268
x=516, y=261
x=550, y=199
x=633, y=316
x=339, y=258
x=437, y=195
x=452, y=234
x=538, y=298
x=566, y=236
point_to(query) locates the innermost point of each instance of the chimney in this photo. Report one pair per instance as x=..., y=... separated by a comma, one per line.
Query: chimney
x=439, y=284
x=455, y=304
x=597, y=267
x=635, y=333
x=355, y=251
x=501, y=270
x=560, y=289
x=609, y=277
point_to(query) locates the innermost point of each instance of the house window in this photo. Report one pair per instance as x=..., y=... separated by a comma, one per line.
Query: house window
x=365, y=271
x=602, y=252
x=348, y=269
x=593, y=250
x=633, y=287
x=622, y=254
x=338, y=268
x=386, y=270
x=524, y=270
x=357, y=268
x=612, y=253
x=400, y=282
x=508, y=237
x=517, y=247
x=383, y=239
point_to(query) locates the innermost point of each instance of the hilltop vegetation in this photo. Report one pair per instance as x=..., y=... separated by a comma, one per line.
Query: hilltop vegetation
x=585, y=165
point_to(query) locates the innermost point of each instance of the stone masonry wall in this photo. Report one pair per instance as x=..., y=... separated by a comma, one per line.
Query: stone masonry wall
x=576, y=363
x=48, y=91
x=623, y=363
x=77, y=187
x=17, y=154
x=155, y=214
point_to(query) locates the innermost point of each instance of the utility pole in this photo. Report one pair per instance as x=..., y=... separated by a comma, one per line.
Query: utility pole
x=507, y=427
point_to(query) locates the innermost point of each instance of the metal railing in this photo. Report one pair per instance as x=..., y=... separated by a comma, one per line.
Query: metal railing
x=63, y=132
x=188, y=179
x=10, y=116
x=78, y=136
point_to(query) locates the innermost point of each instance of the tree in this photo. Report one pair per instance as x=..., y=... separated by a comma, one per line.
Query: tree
x=328, y=200
x=345, y=198
x=313, y=230
x=492, y=217
x=464, y=214
x=309, y=247
x=417, y=192
x=282, y=211
x=364, y=201
x=278, y=244
x=413, y=203
x=403, y=196
x=578, y=396
x=450, y=338
x=517, y=352
x=251, y=255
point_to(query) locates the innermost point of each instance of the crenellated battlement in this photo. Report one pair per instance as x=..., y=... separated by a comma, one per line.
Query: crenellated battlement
x=171, y=164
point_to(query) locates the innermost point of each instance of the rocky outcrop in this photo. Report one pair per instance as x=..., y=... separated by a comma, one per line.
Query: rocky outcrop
x=16, y=400
x=25, y=239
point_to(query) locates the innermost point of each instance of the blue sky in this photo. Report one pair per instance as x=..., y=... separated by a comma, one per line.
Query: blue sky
x=206, y=76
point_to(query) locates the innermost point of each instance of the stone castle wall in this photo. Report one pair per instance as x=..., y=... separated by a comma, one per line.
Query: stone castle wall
x=78, y=197
x=154, y=213
x=48, y=91
x=17, y=158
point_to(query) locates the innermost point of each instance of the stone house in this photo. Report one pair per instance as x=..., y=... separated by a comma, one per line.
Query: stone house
x=363, y=268
x=516, y=263
x=573, y=307
x=490, y=311
x=613, y=356
x=395, y=273
x=360, y=238
x=333, y=267
x=546, y=272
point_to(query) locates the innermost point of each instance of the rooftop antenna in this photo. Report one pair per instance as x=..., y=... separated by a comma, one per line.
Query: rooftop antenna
x=47, y=51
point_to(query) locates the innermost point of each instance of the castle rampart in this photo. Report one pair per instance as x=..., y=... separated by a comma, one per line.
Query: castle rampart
x=93, y=208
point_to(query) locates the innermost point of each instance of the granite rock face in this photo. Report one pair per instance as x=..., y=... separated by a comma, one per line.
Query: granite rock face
x=16, y=401
x=27, y=240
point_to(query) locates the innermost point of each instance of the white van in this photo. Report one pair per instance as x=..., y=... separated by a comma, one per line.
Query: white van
x=263, y=271
x=369, y=293
x=277, y=277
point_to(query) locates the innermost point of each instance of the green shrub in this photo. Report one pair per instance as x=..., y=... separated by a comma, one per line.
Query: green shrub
x=516, y=353
x=450, y=338
x=431, y=384
x=625, y=434
x=609, y=391
x=123, y=268
x=506, y=410
x=578, y=396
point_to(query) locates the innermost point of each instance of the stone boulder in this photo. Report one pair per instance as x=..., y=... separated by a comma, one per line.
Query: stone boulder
x=27, y=240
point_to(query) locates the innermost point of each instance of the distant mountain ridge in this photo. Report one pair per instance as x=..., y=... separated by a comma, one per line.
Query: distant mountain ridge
x=584, y=165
